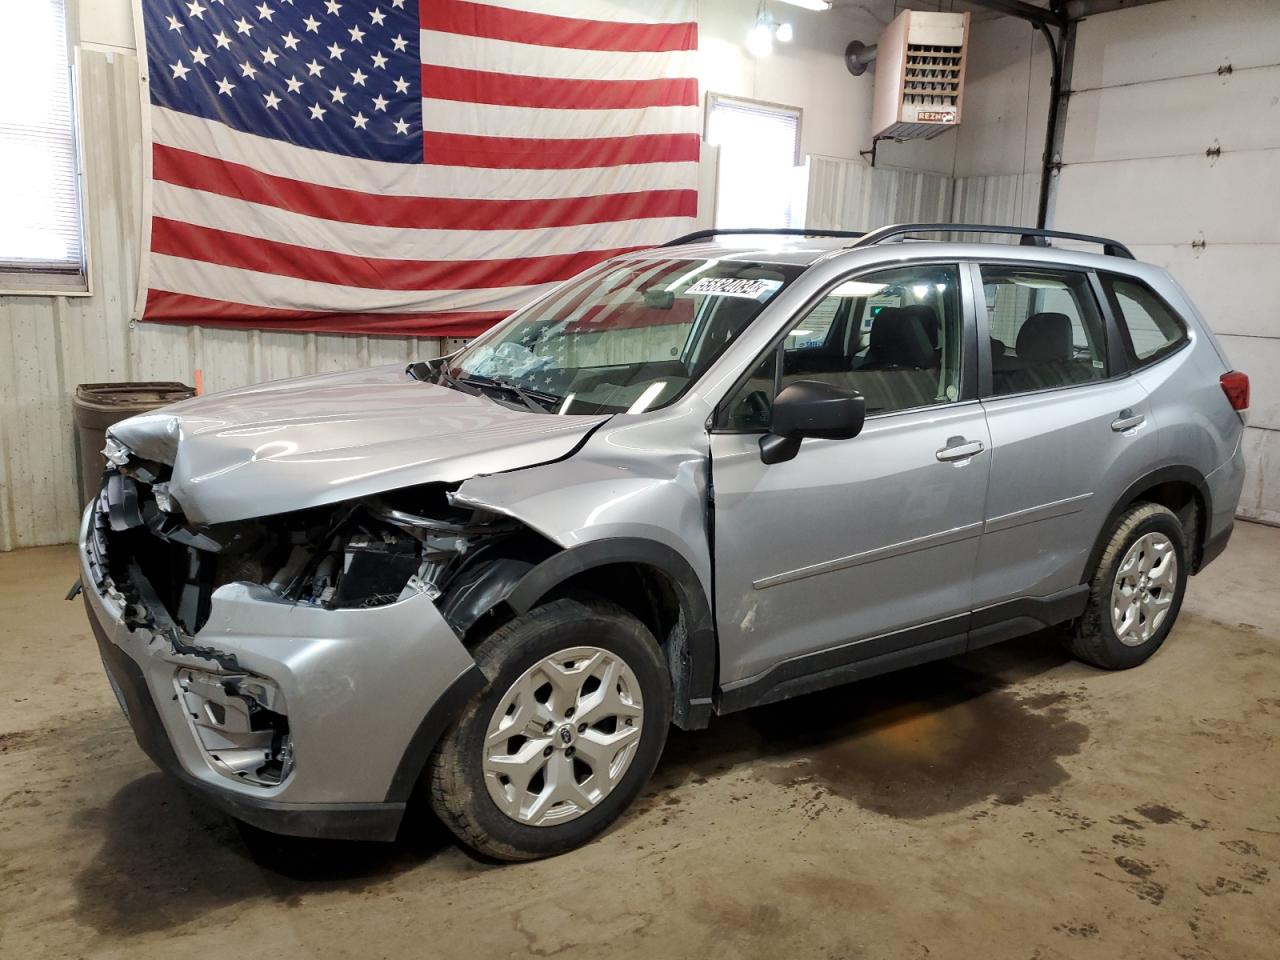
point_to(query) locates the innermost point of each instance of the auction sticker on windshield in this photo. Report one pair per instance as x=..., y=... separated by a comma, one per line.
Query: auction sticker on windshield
x=751, y=289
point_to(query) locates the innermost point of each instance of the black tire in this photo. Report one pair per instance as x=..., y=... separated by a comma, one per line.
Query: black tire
x=1093, y=638
x=457, y=787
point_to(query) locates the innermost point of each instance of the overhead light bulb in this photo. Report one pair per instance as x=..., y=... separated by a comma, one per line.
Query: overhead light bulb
x=760, y=41
x=783, y=33
x=819, y=5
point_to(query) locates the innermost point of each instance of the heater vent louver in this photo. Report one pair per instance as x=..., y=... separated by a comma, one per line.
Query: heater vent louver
x=920, y=74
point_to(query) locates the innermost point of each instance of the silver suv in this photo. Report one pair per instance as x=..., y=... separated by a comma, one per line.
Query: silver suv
x=727, y=471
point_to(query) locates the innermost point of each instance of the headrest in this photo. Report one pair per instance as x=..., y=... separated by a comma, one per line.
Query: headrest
x=898, y=339
x=1045, y=338
x=928, y=318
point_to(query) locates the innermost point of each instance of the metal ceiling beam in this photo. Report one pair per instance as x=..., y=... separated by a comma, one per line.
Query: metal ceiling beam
x=1076, y=9
x=1040, y=16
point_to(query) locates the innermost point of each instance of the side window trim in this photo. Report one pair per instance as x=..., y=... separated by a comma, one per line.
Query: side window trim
x=976, y=302
x=1117, y=353
x=969, y=360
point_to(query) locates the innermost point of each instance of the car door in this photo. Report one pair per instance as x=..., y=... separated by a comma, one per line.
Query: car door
x=855, y=548
x=1069, y=432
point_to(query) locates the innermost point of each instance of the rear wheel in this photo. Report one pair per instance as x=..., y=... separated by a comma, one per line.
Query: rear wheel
x=1136, y=592
x=562, y=739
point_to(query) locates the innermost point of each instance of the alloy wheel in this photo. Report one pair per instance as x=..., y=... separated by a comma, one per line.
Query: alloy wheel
x=563, y=736
x=1145, y=584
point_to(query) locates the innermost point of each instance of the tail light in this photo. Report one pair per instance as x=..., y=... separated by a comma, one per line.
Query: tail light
x=1236, y=386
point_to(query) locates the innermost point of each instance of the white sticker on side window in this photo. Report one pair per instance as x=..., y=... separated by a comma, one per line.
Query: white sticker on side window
x=751, y=289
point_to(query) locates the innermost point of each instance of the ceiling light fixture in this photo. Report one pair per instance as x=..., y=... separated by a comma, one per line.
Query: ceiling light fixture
x=783, y=33
x=822, y=6
x=760, y=40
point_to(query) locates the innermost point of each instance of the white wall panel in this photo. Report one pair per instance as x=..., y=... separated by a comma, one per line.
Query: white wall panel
x=1152, y=93
x=1173, y=199
x=1175, y=38
x=1236, y=112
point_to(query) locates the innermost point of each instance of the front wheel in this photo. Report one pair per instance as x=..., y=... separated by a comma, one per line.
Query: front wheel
x=562, y=739
x=1136, y=592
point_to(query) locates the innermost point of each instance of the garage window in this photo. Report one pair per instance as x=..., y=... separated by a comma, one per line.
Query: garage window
x=41, y=243
x=1150, y=325
x=760, y=184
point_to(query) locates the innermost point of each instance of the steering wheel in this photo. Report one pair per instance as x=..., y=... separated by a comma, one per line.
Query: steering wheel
x=756, y=409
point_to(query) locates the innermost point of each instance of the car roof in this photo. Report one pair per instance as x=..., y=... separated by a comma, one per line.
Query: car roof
x=768, y=248
x=805, y=251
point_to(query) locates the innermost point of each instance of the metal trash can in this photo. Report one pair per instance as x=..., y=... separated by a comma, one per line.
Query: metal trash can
x=99, y=405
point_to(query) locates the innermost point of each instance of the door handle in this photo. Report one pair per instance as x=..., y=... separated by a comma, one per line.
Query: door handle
x=1127, y=421
x=958, y=448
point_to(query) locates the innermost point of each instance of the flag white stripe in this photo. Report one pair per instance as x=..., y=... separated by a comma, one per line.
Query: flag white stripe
x=491, y=120
x=215, y=282
x=533, y=60
x=618, y=11
x=396, y=243
x=186, y=132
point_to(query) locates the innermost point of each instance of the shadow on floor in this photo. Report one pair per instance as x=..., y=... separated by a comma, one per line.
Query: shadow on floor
x=933, y=739
x=919, y=742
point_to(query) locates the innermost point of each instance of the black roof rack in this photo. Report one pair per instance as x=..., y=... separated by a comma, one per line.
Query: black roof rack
x=1030, y=236
x=776, y=231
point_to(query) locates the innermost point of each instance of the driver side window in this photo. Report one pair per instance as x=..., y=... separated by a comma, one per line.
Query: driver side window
x=894, y=336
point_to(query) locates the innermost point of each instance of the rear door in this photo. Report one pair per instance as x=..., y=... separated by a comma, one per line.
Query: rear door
x=1069, y=431
x=823, y=560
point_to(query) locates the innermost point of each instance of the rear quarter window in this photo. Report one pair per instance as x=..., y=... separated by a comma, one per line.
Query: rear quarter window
x=1150, y=327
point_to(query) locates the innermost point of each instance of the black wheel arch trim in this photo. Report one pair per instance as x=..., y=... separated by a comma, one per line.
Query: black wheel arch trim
x=694, y=679
x=1170, y=474
x=432, y=727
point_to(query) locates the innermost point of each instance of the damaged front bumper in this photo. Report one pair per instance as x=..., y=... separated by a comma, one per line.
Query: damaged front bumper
x=295, y=718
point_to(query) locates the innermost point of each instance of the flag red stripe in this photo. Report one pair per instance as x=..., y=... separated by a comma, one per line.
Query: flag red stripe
x=186, y=169
x=168, y=307
x=521, y=153
x=177, y=239
x=512, y=90
x=499, y=23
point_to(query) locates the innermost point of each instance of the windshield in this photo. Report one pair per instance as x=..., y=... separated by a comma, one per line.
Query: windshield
x=628, y=337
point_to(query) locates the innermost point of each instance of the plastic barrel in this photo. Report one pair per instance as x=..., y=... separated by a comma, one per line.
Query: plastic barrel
x=99, y=405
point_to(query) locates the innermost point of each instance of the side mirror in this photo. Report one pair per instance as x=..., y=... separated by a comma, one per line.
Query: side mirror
x=810, y=408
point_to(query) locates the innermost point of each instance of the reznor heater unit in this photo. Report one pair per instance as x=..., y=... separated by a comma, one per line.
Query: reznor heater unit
x=920, y=75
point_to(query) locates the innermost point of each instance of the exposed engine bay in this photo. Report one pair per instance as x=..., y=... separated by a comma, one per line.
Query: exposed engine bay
x=361, y=553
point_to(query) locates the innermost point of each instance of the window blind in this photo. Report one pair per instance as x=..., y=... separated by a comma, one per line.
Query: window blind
x=41, y=240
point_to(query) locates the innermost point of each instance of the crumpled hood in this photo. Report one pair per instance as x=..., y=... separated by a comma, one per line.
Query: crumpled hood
x=302, y=443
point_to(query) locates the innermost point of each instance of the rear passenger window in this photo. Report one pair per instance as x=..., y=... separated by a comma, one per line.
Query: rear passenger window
x=1045, y=329
x=893, y=336
x=1151, y=326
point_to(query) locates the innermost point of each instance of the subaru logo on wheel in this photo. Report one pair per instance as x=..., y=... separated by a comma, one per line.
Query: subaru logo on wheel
x=566, y=734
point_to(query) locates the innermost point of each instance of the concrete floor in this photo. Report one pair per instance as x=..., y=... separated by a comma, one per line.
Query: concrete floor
x=1010, y=803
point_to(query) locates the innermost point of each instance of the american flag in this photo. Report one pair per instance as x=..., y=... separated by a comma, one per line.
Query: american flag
x=416, y=167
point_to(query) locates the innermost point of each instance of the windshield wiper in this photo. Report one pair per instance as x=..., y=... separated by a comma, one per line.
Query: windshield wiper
x=437, y=371
x=535, y=400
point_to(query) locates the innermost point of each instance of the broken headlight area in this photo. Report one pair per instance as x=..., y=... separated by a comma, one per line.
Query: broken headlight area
x=358, y=554
x=241, y=724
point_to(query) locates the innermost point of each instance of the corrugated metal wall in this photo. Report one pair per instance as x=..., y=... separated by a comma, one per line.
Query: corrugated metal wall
x=55, y=343
x=1173, y=144
x=850, y=195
